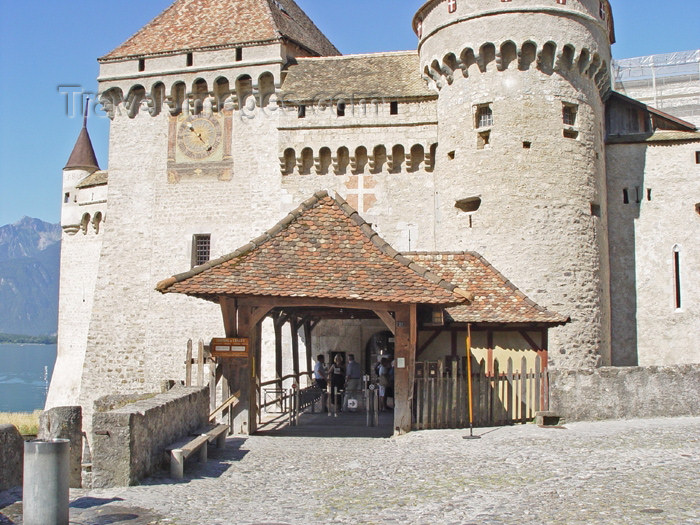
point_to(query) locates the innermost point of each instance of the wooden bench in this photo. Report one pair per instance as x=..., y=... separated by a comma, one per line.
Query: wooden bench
x=183, y=449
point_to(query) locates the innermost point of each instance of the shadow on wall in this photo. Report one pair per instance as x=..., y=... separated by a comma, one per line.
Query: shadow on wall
x=626, y=194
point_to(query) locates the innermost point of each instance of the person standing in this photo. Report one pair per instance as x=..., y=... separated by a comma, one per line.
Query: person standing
x=337, y=377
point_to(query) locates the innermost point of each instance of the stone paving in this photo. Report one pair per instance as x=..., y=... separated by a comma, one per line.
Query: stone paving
x=621, y=472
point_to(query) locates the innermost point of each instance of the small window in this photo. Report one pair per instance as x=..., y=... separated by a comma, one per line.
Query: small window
x=239, y=54
x=142, y=64
x=648, y=194
x=697, y=208
x=66, y=198
x=569, y=112
x=570, y=133
x=484, y=116
x=468, y=205
x=625, y=196
x=190, y=59
x=340, y=109
x=451, y=155
x=301, y=111
x=595, y=209
x=483, y=139
x=201, y=249
x=394, y=109
x=697, y=157
x=527, y=144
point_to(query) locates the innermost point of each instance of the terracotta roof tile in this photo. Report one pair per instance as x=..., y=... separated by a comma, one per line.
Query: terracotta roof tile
x=320, y=252
x=98, y=178
x=495, y=299
x=391, y=75
x=206, y=24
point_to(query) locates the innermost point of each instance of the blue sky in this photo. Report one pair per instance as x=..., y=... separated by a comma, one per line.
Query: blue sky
x=44, y=45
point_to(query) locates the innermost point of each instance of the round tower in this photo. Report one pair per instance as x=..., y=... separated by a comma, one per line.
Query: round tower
x=520, y=167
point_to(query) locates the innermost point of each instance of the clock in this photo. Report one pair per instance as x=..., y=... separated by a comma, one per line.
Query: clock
x=199, y=137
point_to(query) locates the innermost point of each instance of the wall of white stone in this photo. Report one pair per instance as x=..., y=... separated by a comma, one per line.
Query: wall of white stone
x=663, y=185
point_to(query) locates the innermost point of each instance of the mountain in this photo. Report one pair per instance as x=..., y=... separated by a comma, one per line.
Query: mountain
x=29, y=263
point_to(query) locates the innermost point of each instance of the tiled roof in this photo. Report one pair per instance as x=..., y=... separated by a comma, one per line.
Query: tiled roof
x=657, y=136
x=99, y=178
x=391, y=75
x=323, y=249
x=496, y=300
x=208, y=24
x=83, y=155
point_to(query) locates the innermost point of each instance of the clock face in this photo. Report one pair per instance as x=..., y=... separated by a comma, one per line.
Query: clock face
x=199, y=137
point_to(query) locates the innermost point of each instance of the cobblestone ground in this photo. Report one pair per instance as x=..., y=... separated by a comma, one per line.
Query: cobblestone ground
x=624, y=472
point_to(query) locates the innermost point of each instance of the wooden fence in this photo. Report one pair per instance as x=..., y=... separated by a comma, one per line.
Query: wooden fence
x=506, y=396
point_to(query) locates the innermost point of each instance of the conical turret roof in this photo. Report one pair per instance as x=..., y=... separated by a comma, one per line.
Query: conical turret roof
x=83, y=155
x=213, y=24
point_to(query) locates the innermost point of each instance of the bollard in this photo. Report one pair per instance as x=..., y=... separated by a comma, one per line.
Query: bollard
x=46, y=479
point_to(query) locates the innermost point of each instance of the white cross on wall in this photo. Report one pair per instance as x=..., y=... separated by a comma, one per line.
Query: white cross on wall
x=452, y=6
x=365, y=188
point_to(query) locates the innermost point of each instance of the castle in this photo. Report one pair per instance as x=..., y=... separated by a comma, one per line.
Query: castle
x=500, y=139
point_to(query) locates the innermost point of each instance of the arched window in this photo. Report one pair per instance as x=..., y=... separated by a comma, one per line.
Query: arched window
x=360, y=159
x=378, y=159
x=134, y=99
x=343, y=160
x=266, y=85
x=244, y=88
x=417, y=157
x=200, y=92
x=398, y=157
x=290, y=160
x=222, y=90
x=324, y=155
x=84, y=223
x=307, y=161
x=158, y=97
x=178, y=97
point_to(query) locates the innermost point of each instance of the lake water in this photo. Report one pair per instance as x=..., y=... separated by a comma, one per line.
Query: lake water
x=25, y=373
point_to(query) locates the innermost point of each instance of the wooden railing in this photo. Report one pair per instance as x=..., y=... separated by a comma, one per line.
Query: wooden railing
x=498, y=398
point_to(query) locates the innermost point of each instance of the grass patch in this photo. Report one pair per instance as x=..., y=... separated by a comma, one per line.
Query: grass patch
x=26, y=422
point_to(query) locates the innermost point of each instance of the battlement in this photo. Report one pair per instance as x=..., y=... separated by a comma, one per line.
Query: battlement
x=203, y=91
x=548, y=57
x=396, y=158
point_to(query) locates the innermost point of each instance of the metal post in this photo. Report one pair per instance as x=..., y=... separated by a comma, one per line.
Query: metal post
x=291, y=412
x=46, y=477
x=376, y=408
x=297, y=405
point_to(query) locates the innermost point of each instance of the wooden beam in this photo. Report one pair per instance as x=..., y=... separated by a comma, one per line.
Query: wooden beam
x=529, y=340
x=429, y=341
x=387, y=319
x=229, y=311
x=308, y=302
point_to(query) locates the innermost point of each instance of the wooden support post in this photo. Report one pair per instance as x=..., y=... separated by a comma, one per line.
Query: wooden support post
x=309, y=346
x=188, y=364
x=294, y=327
x=200, y=363
x=404, y=353
x=489, y=352
x=278, y=321
x=229, y=311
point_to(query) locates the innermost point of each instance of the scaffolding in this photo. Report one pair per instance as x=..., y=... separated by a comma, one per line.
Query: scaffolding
x=669, y=82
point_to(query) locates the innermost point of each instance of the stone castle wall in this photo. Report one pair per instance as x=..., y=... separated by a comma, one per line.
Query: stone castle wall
x=663, y=189
x=540, y=180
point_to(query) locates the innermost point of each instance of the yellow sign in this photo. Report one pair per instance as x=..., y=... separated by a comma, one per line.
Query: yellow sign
x=229, y=347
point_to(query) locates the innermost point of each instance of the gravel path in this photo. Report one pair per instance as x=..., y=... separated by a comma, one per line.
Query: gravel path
x=622, y=472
